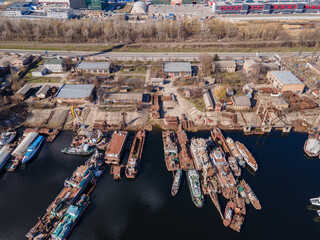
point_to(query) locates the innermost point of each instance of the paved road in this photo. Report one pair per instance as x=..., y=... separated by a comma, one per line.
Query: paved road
x=187, y=56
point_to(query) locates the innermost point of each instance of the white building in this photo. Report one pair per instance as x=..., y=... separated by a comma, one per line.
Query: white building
x=53, y=64
x=61, y=14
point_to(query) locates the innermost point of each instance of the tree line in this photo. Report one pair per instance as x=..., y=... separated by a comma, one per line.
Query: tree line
x=117, y=29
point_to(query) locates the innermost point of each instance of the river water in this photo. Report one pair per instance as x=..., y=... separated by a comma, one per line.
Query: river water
x=144, y=208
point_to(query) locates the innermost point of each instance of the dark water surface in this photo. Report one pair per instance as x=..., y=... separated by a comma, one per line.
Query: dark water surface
x=144, y=208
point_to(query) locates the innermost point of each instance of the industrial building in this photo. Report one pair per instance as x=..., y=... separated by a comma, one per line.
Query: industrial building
x=157, y=81
x=123, y=98
x=263, y=8
x=176, y=69
x=94, y=67
x=75, y=93
x=225, y=66
x=241, y=102
x=53, y=64
x=285, y=81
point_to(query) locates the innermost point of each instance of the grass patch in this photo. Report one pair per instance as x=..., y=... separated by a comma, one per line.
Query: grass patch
x=135, y=70
x=30, y=79
x=198, y=103
x=145, y=48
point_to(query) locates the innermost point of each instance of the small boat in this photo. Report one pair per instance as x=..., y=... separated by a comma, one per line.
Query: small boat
x=195, y=188
x=318, y=213
x=228, y=214
x=7, y=137
x=32, y=149
x=234, y=166
x=315, y=201
x=84, y=150
x=237, y=222
x=176, y=182
x=253, y=198
x=13, y=166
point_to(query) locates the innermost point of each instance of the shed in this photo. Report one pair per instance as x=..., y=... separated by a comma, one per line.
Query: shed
x=43, y=91
x=24, y=91
x=241, y=102
x=157, y=81
x=208, y=100
x=39, y=71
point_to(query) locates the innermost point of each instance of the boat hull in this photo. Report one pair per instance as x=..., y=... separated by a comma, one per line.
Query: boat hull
x=28, y=158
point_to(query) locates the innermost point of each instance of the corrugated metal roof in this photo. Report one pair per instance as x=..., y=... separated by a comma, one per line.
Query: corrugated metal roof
x=93, y=65
x=124, y=96
x=286, y=77
x=24, y=89
x=43, y=90
x=177, y=67
x=207, y=99
x=75, y=91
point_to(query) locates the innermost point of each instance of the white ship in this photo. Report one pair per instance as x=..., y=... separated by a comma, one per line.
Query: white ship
x=315, y=201
x=7, y=137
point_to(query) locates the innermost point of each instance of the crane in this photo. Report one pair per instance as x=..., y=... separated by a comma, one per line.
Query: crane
x=83, y=128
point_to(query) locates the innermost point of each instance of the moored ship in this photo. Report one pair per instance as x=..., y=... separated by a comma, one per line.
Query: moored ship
x=253, y=198
x=170, y=150
x=199, y=153
x=176, y=182
x=247, y=156
x=116, y=147
x=214, y=197
x=32, y=149
x=225, y=177
x=234, y=166
x=315, y=201
x=7, y=137
x=5, y=152
x=83, y=150
x=240, y=206
x=73, y=188
x=237, y=222
x=235, y=152
x=70, y=219
x=228, y=214
x=195, y=188
x=312, y=146
x=133, y=163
